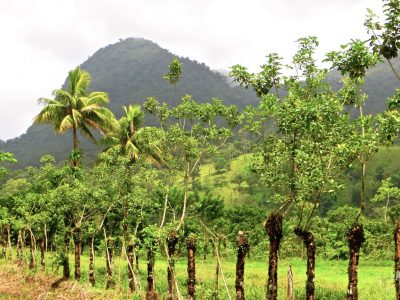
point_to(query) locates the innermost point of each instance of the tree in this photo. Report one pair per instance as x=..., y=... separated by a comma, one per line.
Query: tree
x=175, y=70
x=385, y=38
x=5, y=157
x=191, y=133
x=131, y=140
x=386, y=193
x=256, y=121
x=76, y=109
x=374, y=132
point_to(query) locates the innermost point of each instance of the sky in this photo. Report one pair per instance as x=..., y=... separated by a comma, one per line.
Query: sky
x=41, y=40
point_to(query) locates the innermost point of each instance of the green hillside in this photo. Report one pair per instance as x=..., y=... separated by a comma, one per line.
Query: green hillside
x=131, y=70
x=238, y=186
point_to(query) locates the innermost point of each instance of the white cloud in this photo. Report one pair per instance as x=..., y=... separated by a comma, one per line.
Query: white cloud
x=43, y=39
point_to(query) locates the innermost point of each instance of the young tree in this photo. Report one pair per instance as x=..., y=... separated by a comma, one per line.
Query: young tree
x=257, y=121
x=191, y=133
x=374, y=132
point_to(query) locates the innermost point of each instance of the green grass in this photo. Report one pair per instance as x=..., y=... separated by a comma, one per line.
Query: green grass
x=375, y=278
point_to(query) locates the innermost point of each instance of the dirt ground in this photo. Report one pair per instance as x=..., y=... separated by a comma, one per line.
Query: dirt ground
x=16, y=283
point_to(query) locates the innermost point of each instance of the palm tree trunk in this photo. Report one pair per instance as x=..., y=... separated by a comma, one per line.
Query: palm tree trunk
x=273, y=226
x=75, y=162
x=355, y=238
x=243, y=247
x=308, y=240
x=191, y=283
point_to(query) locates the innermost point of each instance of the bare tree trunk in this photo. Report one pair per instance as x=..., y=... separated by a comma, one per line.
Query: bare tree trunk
x=397, y=259
x=151, y=293
x=205, y=247
x=9, y=241
x=191, y=283
x=92, y=279
x=19, y=245
x=32, y=246
x=273, y=226
x=290, y=295
x=77, y=252
x=243, y=246
x=355, y=237
x=172, y=240
x=42, y=245
x=110, y=263
x=4, y=242
x=217, y=254
x=308, y=240
x=130, y=268
x=66, y=270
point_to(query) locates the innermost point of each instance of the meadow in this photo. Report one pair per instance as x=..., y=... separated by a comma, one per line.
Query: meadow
x=375, y=278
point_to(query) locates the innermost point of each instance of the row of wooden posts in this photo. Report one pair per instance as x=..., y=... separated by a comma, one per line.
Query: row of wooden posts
x=151, y=293
x=273, y=227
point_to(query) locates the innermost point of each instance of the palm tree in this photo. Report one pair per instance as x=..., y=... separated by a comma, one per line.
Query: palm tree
x=132, y=141
x=74, y=108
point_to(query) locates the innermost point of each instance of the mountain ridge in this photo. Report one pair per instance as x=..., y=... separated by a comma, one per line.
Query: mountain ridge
x=131, y=70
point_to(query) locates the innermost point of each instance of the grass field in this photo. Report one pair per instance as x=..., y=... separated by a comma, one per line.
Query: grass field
x=375, y=278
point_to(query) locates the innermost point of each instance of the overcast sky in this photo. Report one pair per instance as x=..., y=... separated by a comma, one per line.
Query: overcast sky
x=41, y=40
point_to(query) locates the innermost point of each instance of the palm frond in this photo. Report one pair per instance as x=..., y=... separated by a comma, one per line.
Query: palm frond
x=100, y=98
x=66, y=123
x=131, y=150
x=86, y=132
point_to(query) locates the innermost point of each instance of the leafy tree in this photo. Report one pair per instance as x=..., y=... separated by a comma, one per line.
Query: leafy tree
x=386, y=193
x=385, y=39
x=76, y=109
x=133, y=141
x=256, y=121
x=195, y=135
x=5, y=157
x=175, y=71
x=353, y=60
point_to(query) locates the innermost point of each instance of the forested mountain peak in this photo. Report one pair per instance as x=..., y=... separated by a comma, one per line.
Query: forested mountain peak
x=130, y=71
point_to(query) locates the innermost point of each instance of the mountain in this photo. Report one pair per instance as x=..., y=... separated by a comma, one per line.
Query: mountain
x=380, y=84
x=130, y=71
